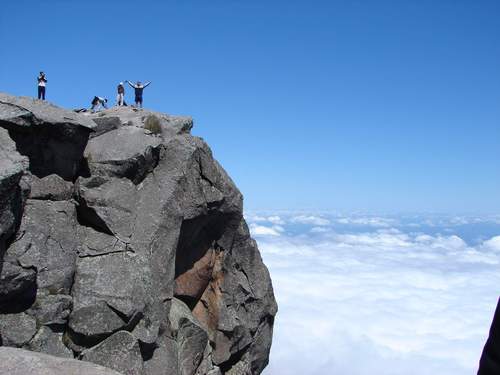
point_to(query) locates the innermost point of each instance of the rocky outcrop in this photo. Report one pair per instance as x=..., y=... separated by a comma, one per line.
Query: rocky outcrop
x=123, y=243
x=489, y=363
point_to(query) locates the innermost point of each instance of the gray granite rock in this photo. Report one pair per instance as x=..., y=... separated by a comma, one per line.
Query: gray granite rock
x=146, y=262
x=48, y=244
x=51, y=187
x=24, y=362
x=105, y=124
x=16, y=329
x=53, y=138
x=123, y=152
x=49, y=341
x=91, y=324
x=12, y=169
x=119, y=352
x=51, y=309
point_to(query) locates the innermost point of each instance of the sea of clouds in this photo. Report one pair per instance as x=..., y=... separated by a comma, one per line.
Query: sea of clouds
x=364, y=294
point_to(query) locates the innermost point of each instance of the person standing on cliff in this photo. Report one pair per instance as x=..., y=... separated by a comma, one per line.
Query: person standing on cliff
x=139, y=88
x=121, y=94
x=42, y=81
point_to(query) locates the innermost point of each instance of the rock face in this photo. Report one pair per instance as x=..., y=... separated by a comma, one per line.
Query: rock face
x=123, y=243
x=490, y=359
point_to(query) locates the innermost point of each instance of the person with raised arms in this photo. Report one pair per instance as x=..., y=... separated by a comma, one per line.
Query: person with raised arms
x=139, y=88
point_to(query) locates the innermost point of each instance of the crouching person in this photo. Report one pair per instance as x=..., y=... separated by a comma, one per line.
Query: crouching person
x=97, y=103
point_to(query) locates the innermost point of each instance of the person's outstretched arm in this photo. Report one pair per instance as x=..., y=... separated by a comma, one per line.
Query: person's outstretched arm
x=131, y=85
x=147, y=84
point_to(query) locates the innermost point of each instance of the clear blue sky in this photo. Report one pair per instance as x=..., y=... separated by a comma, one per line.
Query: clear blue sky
x=368, y=105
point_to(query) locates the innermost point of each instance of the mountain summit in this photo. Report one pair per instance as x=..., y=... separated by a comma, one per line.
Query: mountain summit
x=123, y=243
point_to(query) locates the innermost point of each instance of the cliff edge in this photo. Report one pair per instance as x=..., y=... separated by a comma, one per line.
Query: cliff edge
x=123, y=243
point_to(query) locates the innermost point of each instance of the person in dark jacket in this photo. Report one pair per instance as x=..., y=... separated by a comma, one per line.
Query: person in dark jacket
x=139, y=88
x=97, y=102
x=42, y=81
x=121, y=94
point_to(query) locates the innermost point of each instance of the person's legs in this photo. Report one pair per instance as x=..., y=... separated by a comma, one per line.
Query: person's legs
x=140, y=101
x=43, y=92
x=121, y=99
x=39, y=92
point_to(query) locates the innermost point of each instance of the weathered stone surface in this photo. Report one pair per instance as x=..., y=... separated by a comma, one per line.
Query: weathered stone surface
x=51, y=187
x=151, y=264
x=24, y=362
x=129, y=116
x=105, y=124
x=120, y=352
x=16, y=329
x=122, y=289
x=108, y=205
x=51, y=309
x=12, y=169
x=47, y=243
x=192, y=340
x=164, y=358
x=94, y=243
x=124, y=152
x=49, y=341
x=238, y=306
x=91, y=324
x=52, y=138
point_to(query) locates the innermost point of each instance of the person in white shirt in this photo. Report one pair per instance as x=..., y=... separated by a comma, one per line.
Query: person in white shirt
x=42, y=81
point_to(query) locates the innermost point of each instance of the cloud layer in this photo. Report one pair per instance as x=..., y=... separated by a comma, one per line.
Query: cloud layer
x=366, y=294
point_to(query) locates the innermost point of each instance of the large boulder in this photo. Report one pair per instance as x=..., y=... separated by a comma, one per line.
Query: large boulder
x=16, y=329
x=24, y=362
x=124, y=152
x=133, y=253
x=12, y=192
x=120, y=352
x=48, y=244
x=52, y=138
x=51, y=187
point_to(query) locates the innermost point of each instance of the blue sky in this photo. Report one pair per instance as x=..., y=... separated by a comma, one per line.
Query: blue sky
x=354, y=105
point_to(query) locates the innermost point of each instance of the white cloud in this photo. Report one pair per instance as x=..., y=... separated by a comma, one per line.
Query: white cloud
x=310, y=220
x=262, y=231
x=492, y=244
x=368, y=221
x=383, y=302
x=274, y=219
x=319, y=230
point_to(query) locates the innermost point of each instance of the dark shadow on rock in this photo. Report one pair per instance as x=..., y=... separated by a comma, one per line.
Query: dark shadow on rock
x=88, y=217
x=490, y=359
x=19, y=302
x=52, y=151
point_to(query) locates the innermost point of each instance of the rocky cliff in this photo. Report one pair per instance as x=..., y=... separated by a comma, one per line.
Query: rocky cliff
x=123, y=243
x=489, y=364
